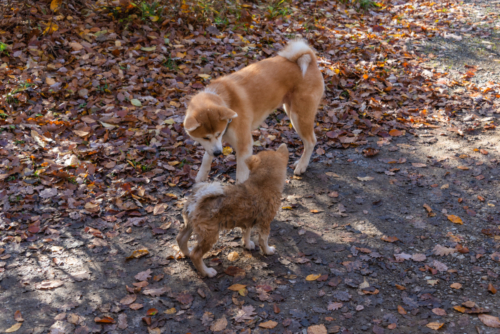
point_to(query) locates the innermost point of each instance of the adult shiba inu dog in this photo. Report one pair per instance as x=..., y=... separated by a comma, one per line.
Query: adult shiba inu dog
x=253, y=203
x=234, y=105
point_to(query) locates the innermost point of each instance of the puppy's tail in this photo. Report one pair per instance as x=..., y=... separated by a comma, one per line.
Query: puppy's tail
x=299, y=52
x=201, y=192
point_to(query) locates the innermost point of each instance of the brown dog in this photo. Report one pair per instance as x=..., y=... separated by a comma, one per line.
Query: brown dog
x=232, y=106
x=255, y=202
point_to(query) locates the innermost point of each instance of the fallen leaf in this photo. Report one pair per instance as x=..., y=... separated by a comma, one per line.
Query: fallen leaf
x=18, y=316
x=104, y=320
x=389, y=239
x=155, y=292
x=365, y=178
x=418, y=257
x=48, y=285
x=489, y=320
x=237, y=287
x=434, y=325
x=55, y=4
x=491, y=289
x=460, y=309
x=317, y=329
x=313, y=277
x=143, y=275
x=219, y=324
x=233, y=256
x=401, y=310
x=152, y=311
x=456, y=286
x=441, y=250
x=334, y=306
x=268, y=324
x=395, y=133
x=136, y=102
x=439, y=311
x=455, y=219
x=14, y=327
x=418, y=165
x=138, y=254
x=136, y=306
x=129, y=299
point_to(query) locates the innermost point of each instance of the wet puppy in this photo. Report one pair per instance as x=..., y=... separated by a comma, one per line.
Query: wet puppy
x=253, y=203
x=234, y=105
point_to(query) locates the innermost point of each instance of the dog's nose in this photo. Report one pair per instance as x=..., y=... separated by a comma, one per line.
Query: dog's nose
x=217, y=153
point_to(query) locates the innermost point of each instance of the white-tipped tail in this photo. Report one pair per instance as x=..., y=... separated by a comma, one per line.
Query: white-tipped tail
x=299, y=52
x=204, y=190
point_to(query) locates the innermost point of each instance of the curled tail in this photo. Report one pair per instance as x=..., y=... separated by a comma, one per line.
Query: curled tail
x=299, y=52
x=201, y=192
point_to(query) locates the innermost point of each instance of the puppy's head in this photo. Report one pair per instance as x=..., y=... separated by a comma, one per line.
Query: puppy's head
x=269, y=164
x=206, y=120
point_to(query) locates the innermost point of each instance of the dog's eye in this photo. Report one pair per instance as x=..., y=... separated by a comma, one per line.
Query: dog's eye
x=206, y=138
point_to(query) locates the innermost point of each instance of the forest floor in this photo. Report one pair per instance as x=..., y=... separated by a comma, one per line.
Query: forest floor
x=394, y=228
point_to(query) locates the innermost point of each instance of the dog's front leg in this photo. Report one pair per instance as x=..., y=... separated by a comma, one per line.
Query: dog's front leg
x=206, y=165
x=242, y=171
x=243, y=151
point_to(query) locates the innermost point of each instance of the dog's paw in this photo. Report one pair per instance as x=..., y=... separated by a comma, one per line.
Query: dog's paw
x=201, y=178
x=299, y=169
x=250, y=245
x=270, y=250
x=211, y=272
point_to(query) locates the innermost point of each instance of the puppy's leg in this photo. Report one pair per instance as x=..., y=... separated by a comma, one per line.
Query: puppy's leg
x=206, y=165
x=244, y=150
x=263, y=240
x=183, y=238
x=249, y=244
x=302, y=112
x=203, y=246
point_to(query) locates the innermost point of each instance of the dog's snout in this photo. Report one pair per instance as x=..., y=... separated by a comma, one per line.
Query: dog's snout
x=217, y=153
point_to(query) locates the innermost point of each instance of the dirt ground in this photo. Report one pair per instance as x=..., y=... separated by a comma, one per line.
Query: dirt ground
x=332, y=226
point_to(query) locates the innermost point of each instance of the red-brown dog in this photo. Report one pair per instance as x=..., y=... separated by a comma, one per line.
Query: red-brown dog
x=253, y=203
x=232, y=106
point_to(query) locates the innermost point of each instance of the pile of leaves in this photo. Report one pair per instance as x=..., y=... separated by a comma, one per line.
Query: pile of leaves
x=93, y=95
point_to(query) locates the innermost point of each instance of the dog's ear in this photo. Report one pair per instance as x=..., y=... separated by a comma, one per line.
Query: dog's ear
x=283, y=150
x=226, y=114
x=252, y=162
x=191, y=124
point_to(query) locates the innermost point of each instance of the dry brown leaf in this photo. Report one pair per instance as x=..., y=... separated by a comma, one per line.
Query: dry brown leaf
x=441, y=250
x=219, y=324
x=439, y=311
x=489, y=320
x=455, y=219
x=128, y=299
x=434, y=325
x=14, y=327
x=456, y=286
x=317, y=329
x=268, y=324
x=401, y=310
x=233, y=256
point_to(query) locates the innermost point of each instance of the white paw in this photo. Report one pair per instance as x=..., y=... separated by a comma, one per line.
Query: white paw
x=270, y=250
x=201, y=177
x=250, y=245
x=300, y=169
x=210, y=272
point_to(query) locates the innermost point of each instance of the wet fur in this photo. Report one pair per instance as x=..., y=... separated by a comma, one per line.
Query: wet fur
x=248, y=96
x=253, y=203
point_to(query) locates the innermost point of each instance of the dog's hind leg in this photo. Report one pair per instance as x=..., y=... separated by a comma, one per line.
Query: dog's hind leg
x=205, y=167
x=205, y=243
x=183, y=238
x=302, y=112
x=243, y=151
x=264, y=238
x=249, y=244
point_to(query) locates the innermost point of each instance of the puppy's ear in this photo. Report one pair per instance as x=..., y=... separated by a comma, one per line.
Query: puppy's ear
x=252, y=162
x=191, y=124
x=226, y=114
x=283, y=150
